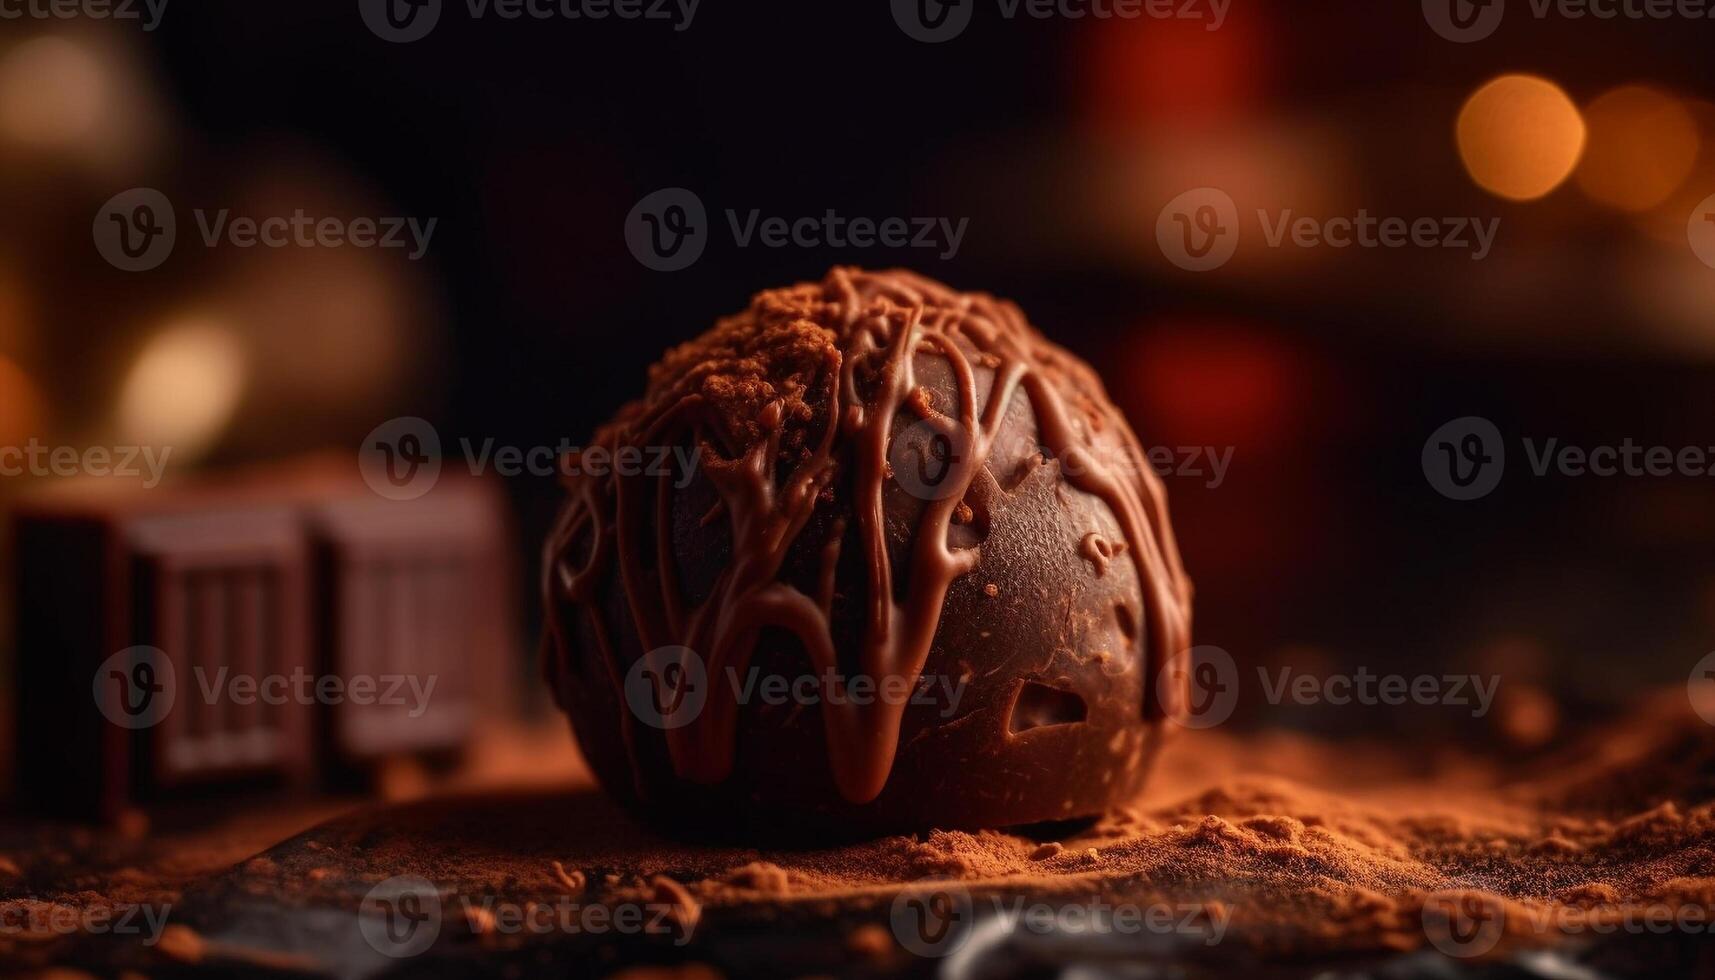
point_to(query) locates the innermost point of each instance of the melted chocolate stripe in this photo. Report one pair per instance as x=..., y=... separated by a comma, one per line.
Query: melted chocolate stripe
x=887, y=316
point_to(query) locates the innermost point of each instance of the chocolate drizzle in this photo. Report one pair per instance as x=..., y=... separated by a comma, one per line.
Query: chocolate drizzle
x=773, y=450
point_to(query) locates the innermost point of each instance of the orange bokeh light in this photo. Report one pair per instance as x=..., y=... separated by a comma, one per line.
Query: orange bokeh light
x=1519, y=136
x=1643, y=144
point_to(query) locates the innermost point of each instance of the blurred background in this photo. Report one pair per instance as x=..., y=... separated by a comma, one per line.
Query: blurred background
x=528, y=320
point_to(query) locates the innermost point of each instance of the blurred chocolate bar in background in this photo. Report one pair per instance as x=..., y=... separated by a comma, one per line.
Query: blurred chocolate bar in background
x=277, y=628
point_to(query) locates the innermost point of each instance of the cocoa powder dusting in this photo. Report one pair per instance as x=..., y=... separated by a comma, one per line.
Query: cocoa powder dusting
x=1308, y=847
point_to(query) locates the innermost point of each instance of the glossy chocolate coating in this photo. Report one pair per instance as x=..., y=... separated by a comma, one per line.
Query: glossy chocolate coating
x=908, y=496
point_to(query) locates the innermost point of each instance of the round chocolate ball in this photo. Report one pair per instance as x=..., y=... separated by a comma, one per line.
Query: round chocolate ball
x=871, y=555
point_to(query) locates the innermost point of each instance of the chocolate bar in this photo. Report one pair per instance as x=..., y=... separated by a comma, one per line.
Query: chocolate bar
x=276, y=628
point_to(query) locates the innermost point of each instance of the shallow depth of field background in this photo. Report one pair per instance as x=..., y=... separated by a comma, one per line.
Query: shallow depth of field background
x=528, y=321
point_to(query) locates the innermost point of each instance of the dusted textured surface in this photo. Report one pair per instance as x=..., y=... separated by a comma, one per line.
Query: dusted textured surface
x=895, y=483
x=1314, y=856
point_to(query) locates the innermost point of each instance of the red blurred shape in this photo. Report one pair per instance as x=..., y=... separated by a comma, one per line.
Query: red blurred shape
x=1144, y=71
x=1216, y=385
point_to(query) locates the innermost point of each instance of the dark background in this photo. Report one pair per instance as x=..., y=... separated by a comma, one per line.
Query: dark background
x=529, y=320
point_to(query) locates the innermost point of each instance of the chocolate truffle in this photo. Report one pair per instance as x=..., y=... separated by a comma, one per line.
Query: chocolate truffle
x=870, y=555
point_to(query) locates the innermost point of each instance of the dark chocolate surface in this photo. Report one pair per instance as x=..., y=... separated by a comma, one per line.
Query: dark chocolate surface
x=894, y=484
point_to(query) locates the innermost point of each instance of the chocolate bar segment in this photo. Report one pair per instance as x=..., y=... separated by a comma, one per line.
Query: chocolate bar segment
x=413, y=599
x=273, y=628
x=224, y=596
